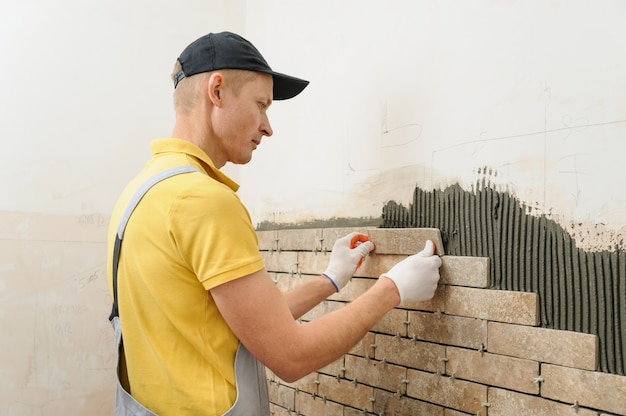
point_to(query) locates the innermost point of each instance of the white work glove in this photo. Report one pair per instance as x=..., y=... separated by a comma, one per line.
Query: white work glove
x=345, y=260
x=416, y=276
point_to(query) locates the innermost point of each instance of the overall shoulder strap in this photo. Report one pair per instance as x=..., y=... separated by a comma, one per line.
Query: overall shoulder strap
x=134, y=201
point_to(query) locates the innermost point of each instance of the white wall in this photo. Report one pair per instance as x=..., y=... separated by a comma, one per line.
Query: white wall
x=85, y=88
x=424, y=93
x=402, y=93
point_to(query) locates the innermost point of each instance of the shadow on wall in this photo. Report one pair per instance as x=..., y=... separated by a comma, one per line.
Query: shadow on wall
x=579, y=291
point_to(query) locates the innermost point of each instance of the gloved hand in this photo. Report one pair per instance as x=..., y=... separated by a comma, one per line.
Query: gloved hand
x=345, y=260
x=416, y=276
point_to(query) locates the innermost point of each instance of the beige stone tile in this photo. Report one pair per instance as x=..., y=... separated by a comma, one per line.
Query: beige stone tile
x=276, y=410
x=393, y=323
x=602, y=391
x=346, y=392
x=282, y=395
x=460, y=271
x=507, y=403
x=405, y=240
x=308, y=405
x=308, y=383
x=567, y=348
x=297, y=240
x=436, y=304
x=499, y=305
x=348, y=411
x=271, y=377
x=334, y=369
x=312, y=263
x=448, y=330
x=267, y=240
x=375, y=373
x=495, y=370
x=493, y=305
x=281, y=262
x=465, y=271
x=390, y=404
x=355, y=288
x=447, y=392
x=450, y=412
x=287, y=281
x=411, y=353
x=365, y=347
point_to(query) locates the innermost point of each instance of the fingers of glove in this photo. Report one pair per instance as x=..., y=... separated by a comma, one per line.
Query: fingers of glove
x=434, y=259
x=429, y=249
x=364, y=249
x=345, y=240
x=354, y=245
x=342, y=253
x=418, y=262
x=343, y=261
x=416, y=277
x=411, y=264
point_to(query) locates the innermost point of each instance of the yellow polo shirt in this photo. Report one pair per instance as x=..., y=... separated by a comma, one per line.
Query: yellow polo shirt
x=188, y=234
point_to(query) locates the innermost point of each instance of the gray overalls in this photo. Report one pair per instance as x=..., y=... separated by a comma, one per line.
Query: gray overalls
x=250, y=378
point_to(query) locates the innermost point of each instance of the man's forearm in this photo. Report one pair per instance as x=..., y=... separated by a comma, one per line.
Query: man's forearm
x=306, y=296
x=327, y=338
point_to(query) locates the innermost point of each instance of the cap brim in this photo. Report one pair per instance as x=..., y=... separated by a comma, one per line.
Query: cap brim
x=286, y=86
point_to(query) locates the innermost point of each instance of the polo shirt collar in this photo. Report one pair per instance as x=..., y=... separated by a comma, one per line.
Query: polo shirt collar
x=171, y=145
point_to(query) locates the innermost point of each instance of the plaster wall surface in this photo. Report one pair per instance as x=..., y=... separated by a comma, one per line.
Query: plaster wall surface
x=528, y=96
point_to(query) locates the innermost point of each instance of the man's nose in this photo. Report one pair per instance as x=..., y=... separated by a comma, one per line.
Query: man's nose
x=266, y=128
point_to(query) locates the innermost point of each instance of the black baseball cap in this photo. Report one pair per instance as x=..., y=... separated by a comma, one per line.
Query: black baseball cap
x=227, y=50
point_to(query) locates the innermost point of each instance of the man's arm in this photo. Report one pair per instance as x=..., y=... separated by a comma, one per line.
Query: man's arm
x=306, y=296
x=261, y=318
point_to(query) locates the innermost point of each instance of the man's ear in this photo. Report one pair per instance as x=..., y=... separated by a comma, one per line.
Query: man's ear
x=216, y=88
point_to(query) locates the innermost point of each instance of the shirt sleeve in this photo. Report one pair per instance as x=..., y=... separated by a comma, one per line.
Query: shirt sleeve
x=213, y=233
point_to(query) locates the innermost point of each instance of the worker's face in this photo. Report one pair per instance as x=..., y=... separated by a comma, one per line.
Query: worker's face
x=243, y=119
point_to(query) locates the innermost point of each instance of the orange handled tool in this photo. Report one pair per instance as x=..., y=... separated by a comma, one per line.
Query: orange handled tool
x=356, y=241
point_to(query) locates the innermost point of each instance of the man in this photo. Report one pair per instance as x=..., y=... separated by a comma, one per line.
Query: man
x=201, y=317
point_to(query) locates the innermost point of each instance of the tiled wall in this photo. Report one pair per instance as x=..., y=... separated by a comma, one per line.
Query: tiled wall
x=468, y=351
